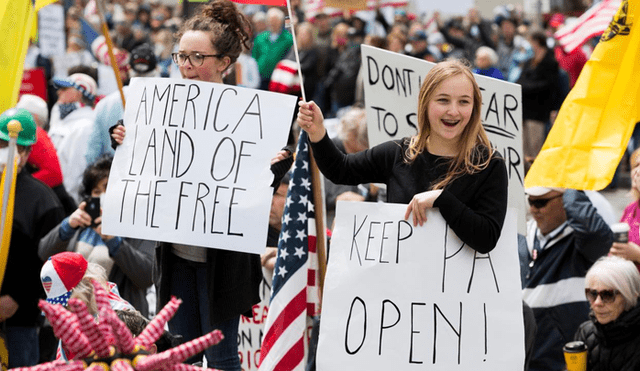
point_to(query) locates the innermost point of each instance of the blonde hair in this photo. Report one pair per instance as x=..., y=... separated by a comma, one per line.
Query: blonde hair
x=475, y=151
x=84, y=289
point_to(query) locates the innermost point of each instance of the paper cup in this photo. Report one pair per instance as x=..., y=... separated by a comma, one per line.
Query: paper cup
x=575, y=355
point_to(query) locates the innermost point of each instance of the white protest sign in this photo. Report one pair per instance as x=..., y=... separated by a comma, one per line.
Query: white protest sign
x=391, y=87
x=398, y=297
x=251, y=330
x=194, y=165
x=51, y=36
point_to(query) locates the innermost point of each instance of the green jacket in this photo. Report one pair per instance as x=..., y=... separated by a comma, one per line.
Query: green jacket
x=268, y=53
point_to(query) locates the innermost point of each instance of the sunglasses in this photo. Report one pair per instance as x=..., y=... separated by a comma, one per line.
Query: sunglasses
x=539, y=203
x=607, y=296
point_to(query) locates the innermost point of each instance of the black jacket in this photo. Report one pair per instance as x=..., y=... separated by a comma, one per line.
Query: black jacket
x=540, y=88
x=614, y=346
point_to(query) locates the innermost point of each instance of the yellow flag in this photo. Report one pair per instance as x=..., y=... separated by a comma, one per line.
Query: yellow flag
x=597, y=118
x=7, y=223
x=16, y=19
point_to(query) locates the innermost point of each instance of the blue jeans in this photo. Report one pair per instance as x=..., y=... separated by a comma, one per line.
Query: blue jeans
x=22, y=344
x=189, y=283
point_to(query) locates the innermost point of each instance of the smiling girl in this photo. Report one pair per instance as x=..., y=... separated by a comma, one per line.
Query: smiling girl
x=449, y=164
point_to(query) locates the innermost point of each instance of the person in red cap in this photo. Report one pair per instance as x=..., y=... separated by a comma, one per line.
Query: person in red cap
x=37, y=210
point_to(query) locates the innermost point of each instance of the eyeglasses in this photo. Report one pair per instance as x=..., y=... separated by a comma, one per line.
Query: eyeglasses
x=607, y=296
x=539, y=203
x=196, y=59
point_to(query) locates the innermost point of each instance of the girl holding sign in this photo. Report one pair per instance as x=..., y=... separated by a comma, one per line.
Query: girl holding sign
x=449, y=164
x=216, y=286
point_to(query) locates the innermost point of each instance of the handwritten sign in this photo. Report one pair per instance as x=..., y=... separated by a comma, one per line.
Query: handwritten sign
x=251, y=330
x=194, y=166
x=51, y=30
x=391, y=87
x=398, y=297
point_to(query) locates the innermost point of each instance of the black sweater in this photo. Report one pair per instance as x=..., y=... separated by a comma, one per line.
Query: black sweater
x=473, y=205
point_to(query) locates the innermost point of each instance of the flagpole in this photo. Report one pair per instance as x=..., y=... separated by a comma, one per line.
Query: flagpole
x=316, y=179
x=112, y=57
x=14, y=128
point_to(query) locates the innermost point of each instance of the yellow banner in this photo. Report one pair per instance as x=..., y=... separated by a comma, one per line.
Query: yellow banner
x=597, y=118
x=16, y=19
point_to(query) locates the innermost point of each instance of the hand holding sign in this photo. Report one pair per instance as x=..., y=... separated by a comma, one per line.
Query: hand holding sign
x=419, y=205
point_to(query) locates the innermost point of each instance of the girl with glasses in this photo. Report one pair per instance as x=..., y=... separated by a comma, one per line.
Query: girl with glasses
x=612, y=336
x=217, y=286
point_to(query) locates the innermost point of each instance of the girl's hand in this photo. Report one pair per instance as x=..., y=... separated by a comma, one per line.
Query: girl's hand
x=119, y=133
x=80, y=218
x=419, y=205
x=311, y=120
x=629, y=251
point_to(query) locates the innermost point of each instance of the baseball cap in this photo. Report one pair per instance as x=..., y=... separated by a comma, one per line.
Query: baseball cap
x=539, y=191
x=27, y=136
x=80, y=81
x=60, y=274
x=143, y=59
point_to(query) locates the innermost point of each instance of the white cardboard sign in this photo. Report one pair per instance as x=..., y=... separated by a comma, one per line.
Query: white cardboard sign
x=194, y=165
x=391, y=87
x=398, y=297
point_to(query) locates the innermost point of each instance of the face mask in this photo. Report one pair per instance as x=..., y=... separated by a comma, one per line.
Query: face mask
x=67, y=108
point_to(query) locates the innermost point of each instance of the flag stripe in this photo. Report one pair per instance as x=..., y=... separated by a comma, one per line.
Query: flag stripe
x=293, y=309
x=293, y=358
x=593, y=22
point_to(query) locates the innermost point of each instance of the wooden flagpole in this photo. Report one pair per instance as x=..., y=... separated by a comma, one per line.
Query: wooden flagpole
x=316, y=180
x=105, y=32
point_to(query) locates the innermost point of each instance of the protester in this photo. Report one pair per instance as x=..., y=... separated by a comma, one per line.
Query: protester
x=43, y=161
x=631, y=216
x=271, y=46
x=485, y=62
x=564, y=238
x=36, y=211
x=224, y=282
x=71, y=123
x=612, y=335
x=539, y=80
x=142, y=63
x=449, y=164
x=68, y=275
x=127, y=262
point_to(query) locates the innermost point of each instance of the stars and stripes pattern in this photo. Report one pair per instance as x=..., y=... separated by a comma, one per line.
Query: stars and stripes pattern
x=591, y=23
x=295, y=293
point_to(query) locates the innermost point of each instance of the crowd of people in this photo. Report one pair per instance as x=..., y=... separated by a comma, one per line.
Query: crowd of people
x=65, y=153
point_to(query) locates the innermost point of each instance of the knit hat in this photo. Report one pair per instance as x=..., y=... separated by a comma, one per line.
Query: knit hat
x=36, y=106
x=60, y=274
x=100, y=50
x=80, y=81
x=142, y=59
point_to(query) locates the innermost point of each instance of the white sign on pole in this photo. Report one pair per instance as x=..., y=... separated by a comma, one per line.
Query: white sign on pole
x=51, y=36
x=391, y=87
x=399, y=297
x=194, y=166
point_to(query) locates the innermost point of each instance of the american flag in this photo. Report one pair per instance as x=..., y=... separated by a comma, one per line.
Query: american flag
x=591, y=23
x=294, y=293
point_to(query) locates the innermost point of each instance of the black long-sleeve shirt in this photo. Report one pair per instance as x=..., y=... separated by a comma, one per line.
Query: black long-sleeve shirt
x=473, y=205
